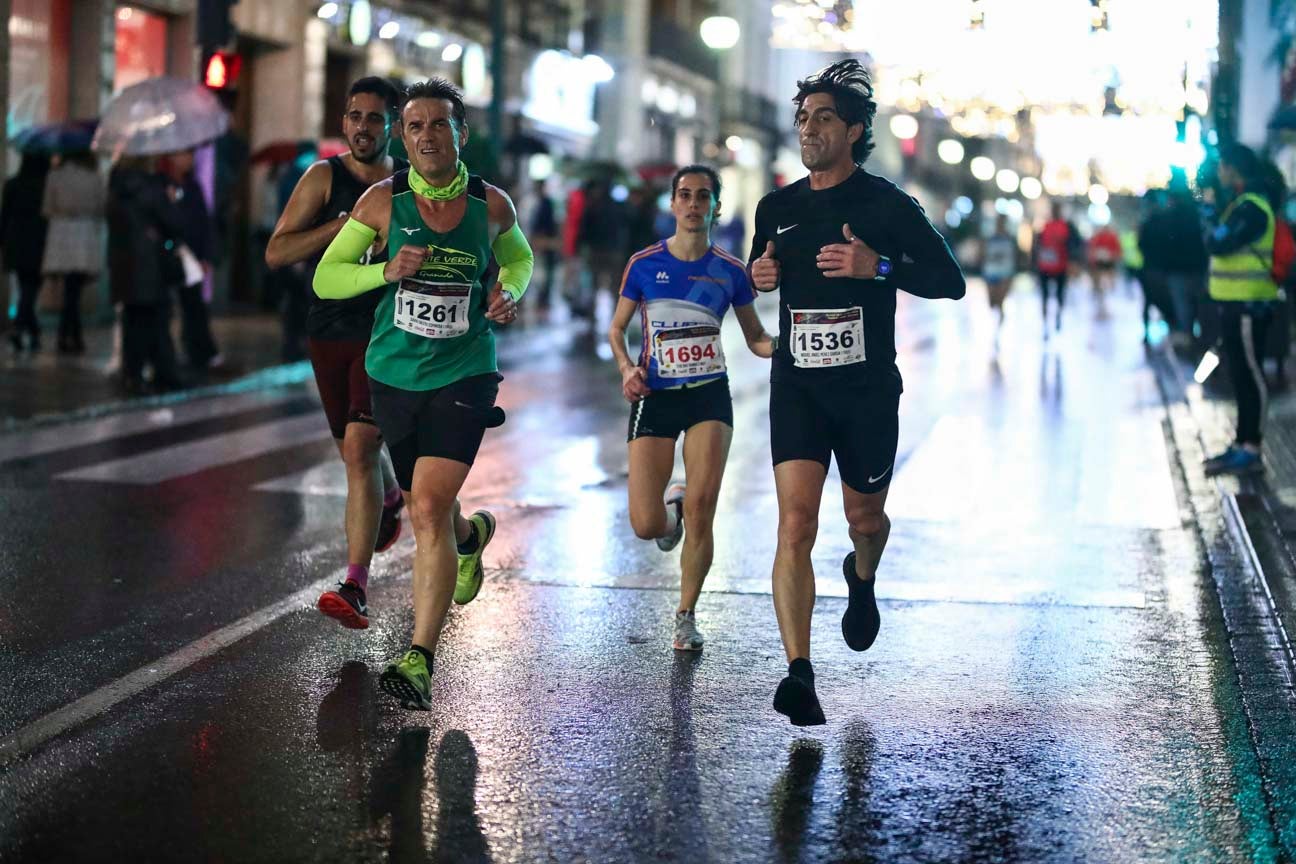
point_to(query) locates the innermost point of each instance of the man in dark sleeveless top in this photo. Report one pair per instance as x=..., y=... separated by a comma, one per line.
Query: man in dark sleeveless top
x=338, y=334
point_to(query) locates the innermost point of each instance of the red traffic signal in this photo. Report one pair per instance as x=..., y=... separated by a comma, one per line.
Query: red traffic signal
x=222, y=70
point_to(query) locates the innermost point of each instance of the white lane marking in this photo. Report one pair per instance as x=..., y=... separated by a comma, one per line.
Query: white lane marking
x=328, y=478
x=167, y=463
x=23, y=445
x=55, y=723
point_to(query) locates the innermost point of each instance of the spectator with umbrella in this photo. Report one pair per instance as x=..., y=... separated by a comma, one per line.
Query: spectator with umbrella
x=74, y=205
x=22, y=236
x=154, y=117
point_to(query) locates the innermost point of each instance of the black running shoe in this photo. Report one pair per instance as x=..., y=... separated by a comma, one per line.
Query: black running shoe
x=860, y=621
x=389, y=526
x=346, y=605
x=795, y=699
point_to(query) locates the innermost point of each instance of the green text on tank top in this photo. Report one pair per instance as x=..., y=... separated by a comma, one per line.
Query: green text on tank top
x=431, y=330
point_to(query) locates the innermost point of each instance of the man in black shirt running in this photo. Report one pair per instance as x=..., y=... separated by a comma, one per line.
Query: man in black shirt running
x=838, y=244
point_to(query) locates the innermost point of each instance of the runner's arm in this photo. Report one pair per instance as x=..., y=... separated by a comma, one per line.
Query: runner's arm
x=759, y=341
x=339, y=275
x=926, y=267
x=294, y=239
x=1246, y=226
x=516, y=260
x=625, y=310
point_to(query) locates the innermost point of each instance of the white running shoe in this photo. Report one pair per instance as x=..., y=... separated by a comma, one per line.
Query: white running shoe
x=674, y=497
x=687, y=635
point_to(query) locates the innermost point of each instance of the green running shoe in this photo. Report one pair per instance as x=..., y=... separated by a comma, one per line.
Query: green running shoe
x=469, y=580
x=409, y=681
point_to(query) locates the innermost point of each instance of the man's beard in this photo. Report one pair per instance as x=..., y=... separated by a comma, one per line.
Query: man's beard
x=374, y=155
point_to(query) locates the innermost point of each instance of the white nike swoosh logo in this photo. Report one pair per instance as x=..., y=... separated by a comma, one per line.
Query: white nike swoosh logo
x=880, y=476
x=781, y=229
x=411, y=231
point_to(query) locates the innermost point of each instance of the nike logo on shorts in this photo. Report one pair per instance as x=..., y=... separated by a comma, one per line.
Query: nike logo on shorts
x=880, y=476
x=780, y=229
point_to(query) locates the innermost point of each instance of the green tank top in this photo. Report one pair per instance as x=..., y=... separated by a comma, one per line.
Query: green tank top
x=431, y=329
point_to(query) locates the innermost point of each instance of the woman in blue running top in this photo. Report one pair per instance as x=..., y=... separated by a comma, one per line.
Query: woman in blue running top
x=681, y=288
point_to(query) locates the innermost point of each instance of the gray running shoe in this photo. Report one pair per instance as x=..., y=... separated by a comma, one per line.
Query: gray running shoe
x=674, y=497
x=687, y=635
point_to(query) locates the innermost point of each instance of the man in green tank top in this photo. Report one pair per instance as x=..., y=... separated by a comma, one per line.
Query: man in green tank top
x=431, y=356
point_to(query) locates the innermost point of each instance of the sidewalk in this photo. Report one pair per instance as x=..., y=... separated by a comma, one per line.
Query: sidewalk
x=48, y=387
x=1248, y=529
x=45, y=385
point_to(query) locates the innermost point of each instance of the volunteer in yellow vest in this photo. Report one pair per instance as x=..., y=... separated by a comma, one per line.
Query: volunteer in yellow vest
x=1241, y=250
x=431, y=356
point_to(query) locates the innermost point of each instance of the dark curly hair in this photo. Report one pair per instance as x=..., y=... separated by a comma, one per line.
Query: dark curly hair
x=847, y=81
x=438, y=88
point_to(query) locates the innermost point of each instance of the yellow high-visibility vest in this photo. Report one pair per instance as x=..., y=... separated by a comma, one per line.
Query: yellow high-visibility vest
x=1244, y=274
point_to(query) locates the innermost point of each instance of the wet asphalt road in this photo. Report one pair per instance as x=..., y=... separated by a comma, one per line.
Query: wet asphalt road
x=1050, y=683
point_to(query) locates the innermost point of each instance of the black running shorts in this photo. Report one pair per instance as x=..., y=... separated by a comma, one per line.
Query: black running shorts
x=667, y=413
x=856, y=424
x=448, y=422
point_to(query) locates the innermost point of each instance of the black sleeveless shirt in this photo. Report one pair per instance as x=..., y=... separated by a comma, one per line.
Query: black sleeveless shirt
x=352, y=318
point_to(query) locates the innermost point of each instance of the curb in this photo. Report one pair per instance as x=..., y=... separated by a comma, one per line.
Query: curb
x=1258, y=642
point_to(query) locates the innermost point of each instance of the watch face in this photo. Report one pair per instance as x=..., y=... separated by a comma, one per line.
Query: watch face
x=884, y=267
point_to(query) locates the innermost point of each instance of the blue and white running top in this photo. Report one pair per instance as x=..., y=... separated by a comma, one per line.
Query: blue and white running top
x=681, y=305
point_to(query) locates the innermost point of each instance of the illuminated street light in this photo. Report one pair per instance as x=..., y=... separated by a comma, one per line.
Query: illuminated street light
x=1031, y=188
x=389, y=30
x=720, y=32
x=452, y=52
x=904, y=127
x=734, y=143
x=1007, y=180
x=983, y=167
x=428, y=39
x=950, y=151
x=327, y=11
x=1098, y=194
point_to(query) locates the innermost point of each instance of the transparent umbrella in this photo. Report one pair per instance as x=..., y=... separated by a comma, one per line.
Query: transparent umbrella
x=159, y=115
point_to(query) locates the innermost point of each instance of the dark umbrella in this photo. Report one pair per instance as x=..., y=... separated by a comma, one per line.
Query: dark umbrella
x=70, y=137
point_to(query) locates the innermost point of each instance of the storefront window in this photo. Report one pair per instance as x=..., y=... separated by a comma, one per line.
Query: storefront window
x=141, y=46
x=38, y=62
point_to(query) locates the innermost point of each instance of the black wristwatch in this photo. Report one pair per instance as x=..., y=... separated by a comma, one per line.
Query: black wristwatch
x=883, y=268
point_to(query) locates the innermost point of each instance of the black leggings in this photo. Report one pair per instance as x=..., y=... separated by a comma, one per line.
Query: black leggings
x=1243, y=328
x=70, y=316
x=1059, y=280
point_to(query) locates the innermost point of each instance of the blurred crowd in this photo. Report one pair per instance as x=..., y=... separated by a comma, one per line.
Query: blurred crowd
x=160, y=245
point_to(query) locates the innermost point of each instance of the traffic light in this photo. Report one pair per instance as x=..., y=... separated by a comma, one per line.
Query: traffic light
x=222, y=69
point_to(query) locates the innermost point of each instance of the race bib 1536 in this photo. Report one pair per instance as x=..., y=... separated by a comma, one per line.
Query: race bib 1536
x=827, y=337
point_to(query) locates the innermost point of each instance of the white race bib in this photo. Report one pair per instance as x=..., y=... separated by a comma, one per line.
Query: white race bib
x=686, y=352
x=436, y=310
x=827, y=337
x=685, y=339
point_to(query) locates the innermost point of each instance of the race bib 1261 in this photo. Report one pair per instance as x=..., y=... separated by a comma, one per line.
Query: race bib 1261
x=827, y=337
x=435, y=310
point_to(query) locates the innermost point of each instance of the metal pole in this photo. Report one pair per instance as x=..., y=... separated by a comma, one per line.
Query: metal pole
x=498, y=75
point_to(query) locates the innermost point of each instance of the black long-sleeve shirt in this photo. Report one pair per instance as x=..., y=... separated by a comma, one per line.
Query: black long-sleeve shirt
x=1245, y=226
x=801, y=220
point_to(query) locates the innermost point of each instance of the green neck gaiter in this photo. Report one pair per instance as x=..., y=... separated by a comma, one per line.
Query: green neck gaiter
x=440, y=193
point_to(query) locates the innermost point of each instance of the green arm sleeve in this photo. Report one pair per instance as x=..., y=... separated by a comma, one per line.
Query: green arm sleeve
x=338, y=276
x=516, y=261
